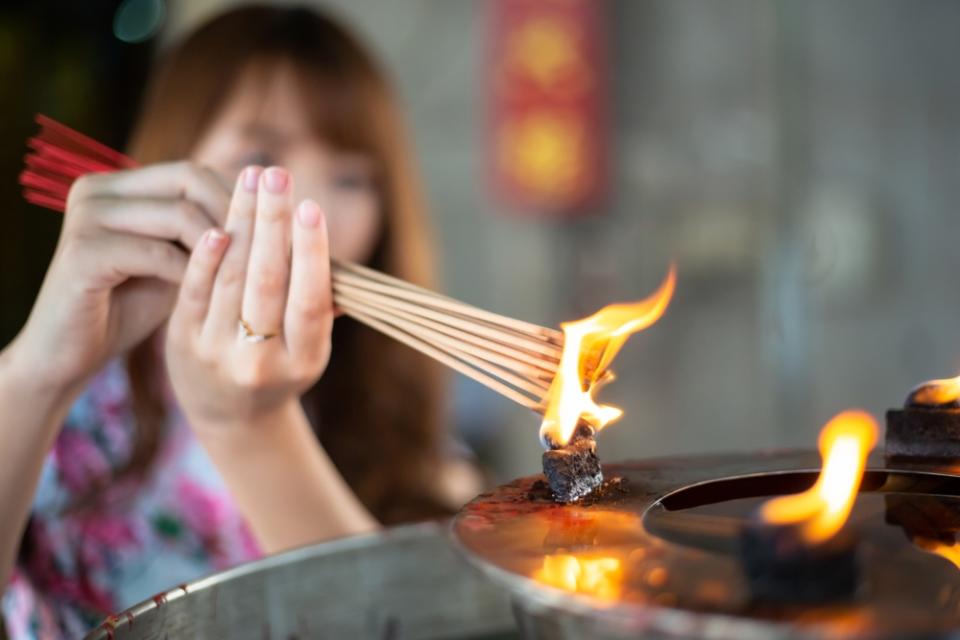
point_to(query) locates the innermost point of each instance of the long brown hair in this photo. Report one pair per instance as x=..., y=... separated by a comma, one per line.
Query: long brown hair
x=376, y=410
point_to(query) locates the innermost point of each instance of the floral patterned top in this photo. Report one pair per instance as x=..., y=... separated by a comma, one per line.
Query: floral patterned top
x=78, y=564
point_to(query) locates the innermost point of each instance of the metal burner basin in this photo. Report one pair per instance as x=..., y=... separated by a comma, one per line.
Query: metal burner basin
x=656, y=557
x=399, y=584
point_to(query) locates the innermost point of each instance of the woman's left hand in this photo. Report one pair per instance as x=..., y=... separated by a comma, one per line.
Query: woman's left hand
x=266, y=274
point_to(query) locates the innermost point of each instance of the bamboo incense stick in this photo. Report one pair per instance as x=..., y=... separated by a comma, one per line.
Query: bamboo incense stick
x=510, y=370
x=515, y=358
x=443, y=302
x=488, y=330
x=489, y=355
x=444, y=358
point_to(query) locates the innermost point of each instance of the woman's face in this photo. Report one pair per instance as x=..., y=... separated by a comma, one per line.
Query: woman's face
x=265, y=122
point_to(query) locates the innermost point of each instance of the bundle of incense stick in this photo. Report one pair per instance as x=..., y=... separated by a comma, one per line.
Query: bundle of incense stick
x=514, y=358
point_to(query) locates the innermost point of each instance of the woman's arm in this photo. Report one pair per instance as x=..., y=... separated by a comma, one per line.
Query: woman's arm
x=272, y=270
x=284, y=482
x=31, y=412
x=127, y=228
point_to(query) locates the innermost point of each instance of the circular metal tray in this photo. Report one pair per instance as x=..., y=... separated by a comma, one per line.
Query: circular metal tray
x=656, y=556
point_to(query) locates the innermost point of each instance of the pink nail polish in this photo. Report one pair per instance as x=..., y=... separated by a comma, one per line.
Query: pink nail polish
x=276, y=179
x=309, y=214
x=251, y=178
x=215, y=238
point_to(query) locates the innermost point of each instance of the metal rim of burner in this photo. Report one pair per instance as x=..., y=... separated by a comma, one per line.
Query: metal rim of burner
x=665, y=480
x=398, y=582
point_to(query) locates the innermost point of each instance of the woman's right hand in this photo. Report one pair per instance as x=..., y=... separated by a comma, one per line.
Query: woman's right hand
x=113, y=279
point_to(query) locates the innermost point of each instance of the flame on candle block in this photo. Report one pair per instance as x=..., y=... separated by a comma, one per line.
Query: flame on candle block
x=822, y=510
x=935, y=393
x=589, y=347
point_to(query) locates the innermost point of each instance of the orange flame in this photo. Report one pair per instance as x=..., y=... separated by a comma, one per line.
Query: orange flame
x=950, y=552
x=600, y=577
x=589, y=346
x=823, y=509
x=936, y=392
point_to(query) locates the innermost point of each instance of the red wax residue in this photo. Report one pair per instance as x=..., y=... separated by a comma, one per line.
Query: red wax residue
x=161, y=598
x=109, y=625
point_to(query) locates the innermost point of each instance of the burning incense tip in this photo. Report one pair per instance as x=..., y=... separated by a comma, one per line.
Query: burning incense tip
x=794, y=551
x=571, y=416
x=589, y=347
x=573, y=470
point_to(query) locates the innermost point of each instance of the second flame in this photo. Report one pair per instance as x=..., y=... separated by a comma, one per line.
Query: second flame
x=822, y=510
x=933, y=393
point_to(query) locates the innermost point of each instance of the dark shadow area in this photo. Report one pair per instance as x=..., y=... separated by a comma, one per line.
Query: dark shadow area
x=62, y=59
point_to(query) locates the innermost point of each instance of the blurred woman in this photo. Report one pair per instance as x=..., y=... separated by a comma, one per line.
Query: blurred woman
x=180, y=399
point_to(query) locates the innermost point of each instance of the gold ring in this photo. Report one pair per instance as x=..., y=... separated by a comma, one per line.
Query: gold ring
x=249, y=335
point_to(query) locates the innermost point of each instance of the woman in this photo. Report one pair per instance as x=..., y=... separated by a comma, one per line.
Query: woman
x=119, y=478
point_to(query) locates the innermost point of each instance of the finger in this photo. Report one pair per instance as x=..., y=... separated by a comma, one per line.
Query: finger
x=309, y=314
x=193, y=301
x=112, y=258
x=265, y=290
x=185, y=180
x=179, y=220
x=228, y=289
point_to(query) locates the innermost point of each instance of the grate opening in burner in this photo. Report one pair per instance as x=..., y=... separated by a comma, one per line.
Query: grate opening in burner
x=771, y=484
x=708, y=515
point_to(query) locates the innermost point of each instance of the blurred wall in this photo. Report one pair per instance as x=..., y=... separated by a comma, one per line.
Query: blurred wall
x=797, y=159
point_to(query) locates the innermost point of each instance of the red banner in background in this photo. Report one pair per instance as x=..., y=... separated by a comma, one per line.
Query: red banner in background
x=547, y=86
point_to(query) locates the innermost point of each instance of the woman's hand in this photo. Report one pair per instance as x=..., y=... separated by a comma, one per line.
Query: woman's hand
x=112, y=281
x=114, y=275
x=271, y=269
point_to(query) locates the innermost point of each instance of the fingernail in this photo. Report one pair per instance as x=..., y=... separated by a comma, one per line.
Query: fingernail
x=309, y=214
x=276, y=179
x=216, y=238
x=251, y=178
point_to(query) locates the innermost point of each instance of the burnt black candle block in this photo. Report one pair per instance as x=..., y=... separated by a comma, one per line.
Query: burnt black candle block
x=784, y=569
x=573, y=470
x=923, y=432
